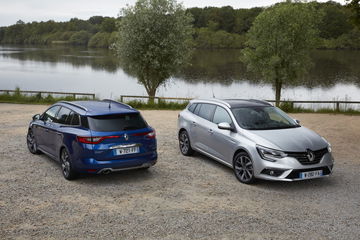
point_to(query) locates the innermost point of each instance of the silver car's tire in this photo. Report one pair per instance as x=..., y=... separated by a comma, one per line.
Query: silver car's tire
x=243, y=168
x=184, y=144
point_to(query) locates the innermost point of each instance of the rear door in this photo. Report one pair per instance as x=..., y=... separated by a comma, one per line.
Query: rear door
x=203, y=127
x=222, y=141
x=121, y=136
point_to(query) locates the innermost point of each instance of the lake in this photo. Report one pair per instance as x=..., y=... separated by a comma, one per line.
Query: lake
x=335, y=75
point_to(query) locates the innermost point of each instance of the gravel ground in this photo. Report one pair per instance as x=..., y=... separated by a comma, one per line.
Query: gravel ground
x=180, y=197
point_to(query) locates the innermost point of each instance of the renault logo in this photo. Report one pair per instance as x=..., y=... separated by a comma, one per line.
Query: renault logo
x=126, y=137
x=310, y=155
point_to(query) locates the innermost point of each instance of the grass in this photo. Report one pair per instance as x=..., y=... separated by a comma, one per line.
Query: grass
x=17, y=97
x=161, y=105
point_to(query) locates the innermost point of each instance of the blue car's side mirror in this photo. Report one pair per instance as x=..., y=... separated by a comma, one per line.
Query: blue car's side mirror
x=36, y=117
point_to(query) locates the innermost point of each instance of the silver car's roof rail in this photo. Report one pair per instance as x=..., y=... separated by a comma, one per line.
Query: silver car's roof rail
x=75, y=105
x=260, y=101
x=220, y=101
x=116, y=102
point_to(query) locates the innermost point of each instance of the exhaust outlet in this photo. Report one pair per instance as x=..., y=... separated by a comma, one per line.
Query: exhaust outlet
x=106, y=171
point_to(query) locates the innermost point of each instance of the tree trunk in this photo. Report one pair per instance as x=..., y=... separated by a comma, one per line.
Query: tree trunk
x=278, y=85
x=151, y=94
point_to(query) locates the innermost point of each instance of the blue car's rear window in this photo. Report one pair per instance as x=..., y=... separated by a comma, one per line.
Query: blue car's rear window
x=117, y=122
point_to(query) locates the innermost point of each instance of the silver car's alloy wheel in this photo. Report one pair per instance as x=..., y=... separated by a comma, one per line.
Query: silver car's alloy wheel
x=243, y=168
x=184, y=144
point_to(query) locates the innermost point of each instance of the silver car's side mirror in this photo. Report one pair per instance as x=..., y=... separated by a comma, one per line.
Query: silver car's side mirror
x=225, y=126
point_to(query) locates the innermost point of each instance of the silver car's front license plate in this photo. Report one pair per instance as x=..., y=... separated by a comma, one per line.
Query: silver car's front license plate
x=311, y=174
x=129, y=150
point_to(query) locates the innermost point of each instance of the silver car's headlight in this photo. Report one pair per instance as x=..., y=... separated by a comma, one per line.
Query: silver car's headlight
x=329, y=145
x=269, y=154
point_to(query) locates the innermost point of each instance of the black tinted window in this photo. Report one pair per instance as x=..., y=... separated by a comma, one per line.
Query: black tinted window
x=118, y=122
x=63, y=116
x=207, y=111
x=49, y=115
x=192, y=107
x=74, y=119
x=221, y=115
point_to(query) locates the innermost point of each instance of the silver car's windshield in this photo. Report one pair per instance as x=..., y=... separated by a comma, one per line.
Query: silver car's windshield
x=263, y=118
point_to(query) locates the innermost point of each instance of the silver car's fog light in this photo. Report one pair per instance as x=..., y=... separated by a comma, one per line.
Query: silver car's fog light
x=269, y=154
x=272, y=172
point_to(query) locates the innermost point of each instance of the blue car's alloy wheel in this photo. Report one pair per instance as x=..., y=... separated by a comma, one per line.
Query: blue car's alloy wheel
x=31, y=142
x=66, y=165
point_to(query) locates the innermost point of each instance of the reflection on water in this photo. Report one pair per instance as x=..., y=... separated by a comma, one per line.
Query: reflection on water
x=335, y=74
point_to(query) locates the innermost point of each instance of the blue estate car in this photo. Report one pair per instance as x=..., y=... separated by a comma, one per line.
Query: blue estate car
x=93, y=137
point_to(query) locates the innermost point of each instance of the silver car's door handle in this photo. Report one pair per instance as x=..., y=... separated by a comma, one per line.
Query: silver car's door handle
x=211, y=131
x=194, y=123
x=46, y=130
x=58, y=133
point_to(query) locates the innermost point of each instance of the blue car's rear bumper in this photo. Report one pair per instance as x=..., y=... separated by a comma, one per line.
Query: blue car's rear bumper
x=91, y=165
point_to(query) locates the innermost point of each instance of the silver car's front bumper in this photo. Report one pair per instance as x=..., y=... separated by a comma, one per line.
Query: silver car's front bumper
x=289, y=168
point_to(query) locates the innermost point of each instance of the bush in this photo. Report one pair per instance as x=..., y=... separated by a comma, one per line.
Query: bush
x=100, y=40
x=80, y=38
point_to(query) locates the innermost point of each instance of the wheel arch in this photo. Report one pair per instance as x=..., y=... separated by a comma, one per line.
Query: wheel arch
x=239, y=150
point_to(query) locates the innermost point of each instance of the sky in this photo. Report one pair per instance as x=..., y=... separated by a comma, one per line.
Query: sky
x=63, y=10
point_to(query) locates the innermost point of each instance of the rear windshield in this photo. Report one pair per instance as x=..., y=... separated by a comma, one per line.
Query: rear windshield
x=118, y=122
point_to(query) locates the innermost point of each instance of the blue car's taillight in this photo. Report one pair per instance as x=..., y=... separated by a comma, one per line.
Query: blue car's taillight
x=93, y=140
x=151, y=134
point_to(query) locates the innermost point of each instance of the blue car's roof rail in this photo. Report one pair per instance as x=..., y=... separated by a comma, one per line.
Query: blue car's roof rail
x=75, y=105
x=116, y=102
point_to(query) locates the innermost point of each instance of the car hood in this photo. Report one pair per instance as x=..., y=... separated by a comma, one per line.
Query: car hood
x=291, y=139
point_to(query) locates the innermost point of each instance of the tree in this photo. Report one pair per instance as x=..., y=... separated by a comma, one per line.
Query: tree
x=154, y=41
x=280, y=41
x=354, y=6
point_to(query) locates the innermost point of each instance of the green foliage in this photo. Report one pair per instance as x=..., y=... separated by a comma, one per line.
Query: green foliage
x=157, y=105
x=334, y=22
x=100, y=40
x=18, y=97
x=154, y=41
x=207, y=39
x=210, y=23
x=80, y=38
x=280, y=41
x=354, y=6
x=108, y=25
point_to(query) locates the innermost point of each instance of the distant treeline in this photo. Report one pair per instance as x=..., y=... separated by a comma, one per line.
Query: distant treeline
x=214, y=28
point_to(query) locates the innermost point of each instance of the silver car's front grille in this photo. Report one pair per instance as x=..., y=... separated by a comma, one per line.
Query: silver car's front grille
x=303, y=158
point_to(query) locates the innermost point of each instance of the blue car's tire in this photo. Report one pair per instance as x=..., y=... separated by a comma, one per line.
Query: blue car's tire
x=31, y=143
x=67, y=166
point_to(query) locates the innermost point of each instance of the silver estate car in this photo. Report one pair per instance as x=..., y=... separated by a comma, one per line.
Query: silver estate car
x=254, y=138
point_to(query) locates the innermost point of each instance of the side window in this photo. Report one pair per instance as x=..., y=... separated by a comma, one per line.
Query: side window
x=74, y=118
x=63, y=116
x=207, y=111
x=192, y=107
x=221, y=115
x=49, y=115
x=197, y=109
